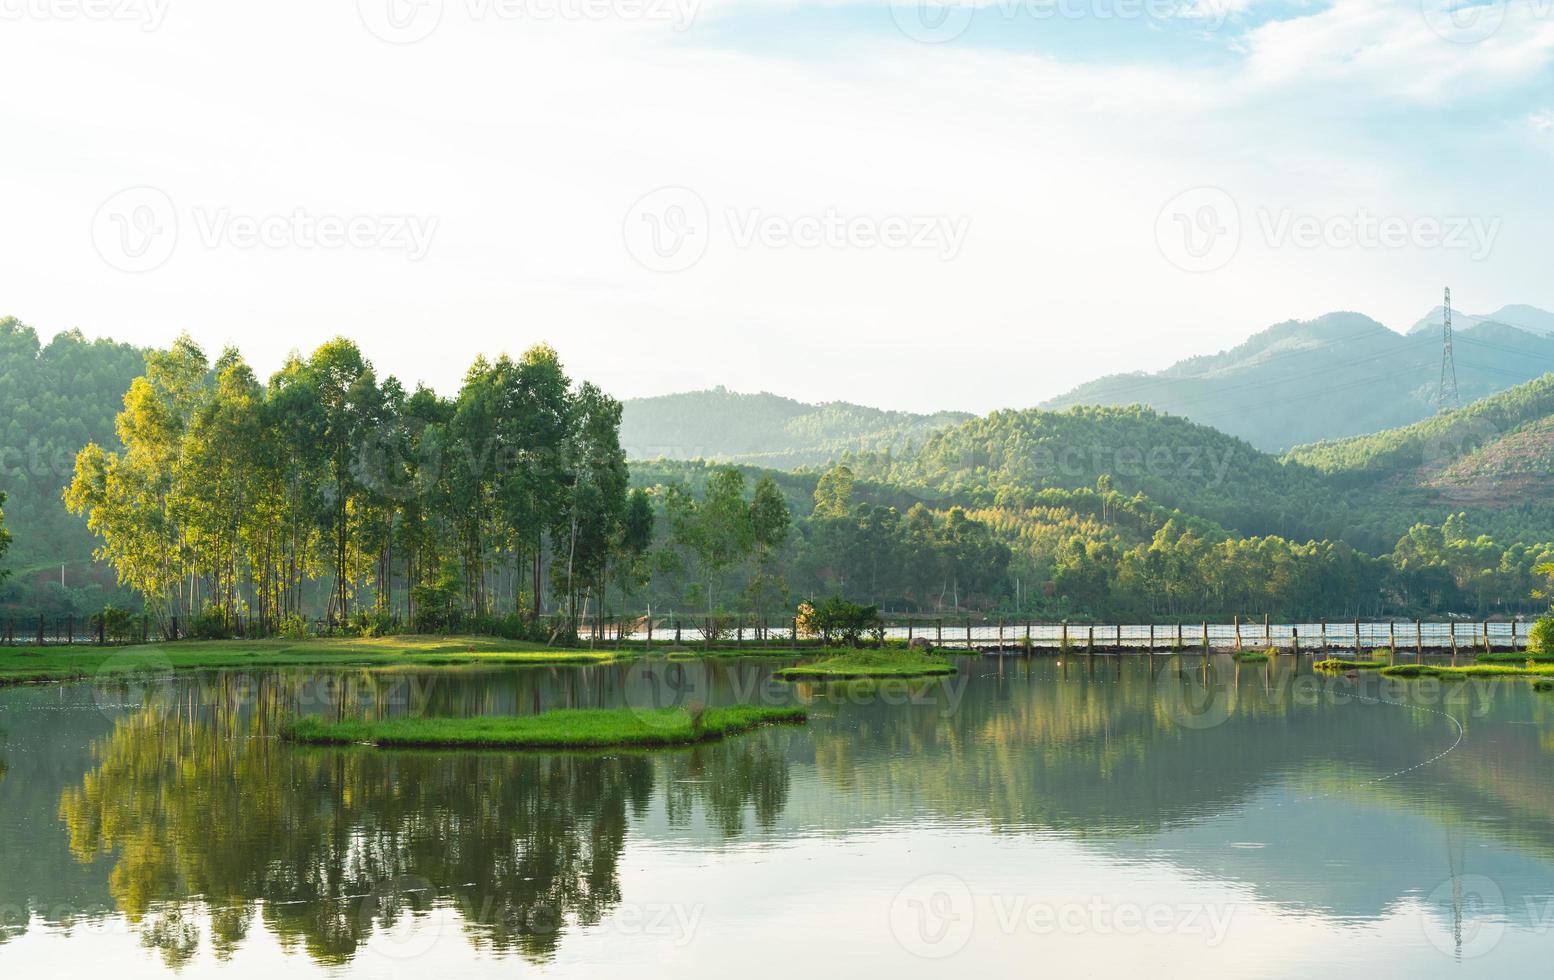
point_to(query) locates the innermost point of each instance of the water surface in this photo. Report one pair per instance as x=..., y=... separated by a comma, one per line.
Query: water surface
x=1123, y=817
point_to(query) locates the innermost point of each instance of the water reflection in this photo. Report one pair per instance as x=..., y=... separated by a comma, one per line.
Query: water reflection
x=328, y=847
x=1329, y=800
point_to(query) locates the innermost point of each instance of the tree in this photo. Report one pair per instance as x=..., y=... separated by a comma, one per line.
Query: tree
x=833, y=494
x=5, y=537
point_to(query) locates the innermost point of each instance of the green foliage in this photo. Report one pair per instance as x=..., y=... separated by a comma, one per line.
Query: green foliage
x=1540, y=642
x=5, y=538
x=840, y=621
x=227, y=497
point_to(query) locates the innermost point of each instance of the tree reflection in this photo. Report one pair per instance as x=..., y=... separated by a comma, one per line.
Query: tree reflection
x=328, y=847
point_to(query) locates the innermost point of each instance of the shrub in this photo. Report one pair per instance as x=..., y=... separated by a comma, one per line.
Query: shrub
x=1541, y=639
x=117, y=624
x=838, y=620
x=210, y=625
x=293, y=627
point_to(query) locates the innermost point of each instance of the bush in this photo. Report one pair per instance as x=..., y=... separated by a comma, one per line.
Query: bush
x=1541, y=639
x=211, y=624
x=118, y=625
x=293, y=627
x=837, y=620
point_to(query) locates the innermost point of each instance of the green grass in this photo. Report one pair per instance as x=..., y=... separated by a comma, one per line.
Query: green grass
x=868, y=664
x=1252, y=656
x=20, y=665
x=1473, y=670
x=588, y=728
x=1515, y=657
x=1338, y=663
x=1545, y=685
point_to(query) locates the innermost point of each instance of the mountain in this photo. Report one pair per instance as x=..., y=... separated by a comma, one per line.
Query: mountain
x=1339, y=375
x=766, y=429
x=1518, y=315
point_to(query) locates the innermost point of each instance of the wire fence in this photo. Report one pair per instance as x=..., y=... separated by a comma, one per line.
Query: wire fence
x=951, y=634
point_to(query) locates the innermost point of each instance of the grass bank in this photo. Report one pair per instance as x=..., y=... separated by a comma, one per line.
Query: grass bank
x=1472, y=670
x=1338, y=663
x=589, y=728
x=22, y=665
x=1251, y=656
x=1515, y=657
x=869, y=664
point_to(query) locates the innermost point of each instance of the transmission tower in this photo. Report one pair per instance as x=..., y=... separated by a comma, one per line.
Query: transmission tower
x=1446, y=398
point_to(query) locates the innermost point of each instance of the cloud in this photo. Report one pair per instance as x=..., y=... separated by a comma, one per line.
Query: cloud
x=1432, y=51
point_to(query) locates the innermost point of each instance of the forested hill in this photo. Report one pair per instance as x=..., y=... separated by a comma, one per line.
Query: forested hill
x=1008, y=456
x=54, y=399
x=1340, y=375
x=765, y=429
x=1496, y=454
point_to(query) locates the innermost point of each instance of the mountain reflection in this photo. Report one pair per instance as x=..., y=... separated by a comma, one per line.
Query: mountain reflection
x=329, y=849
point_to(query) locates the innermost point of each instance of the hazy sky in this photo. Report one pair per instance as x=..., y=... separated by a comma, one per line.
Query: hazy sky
x=913, y=206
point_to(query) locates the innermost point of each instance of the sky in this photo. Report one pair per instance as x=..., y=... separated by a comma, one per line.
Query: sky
x=916, y=204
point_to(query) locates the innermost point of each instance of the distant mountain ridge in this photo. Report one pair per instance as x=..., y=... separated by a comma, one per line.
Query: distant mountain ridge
x=766, y=429
x=1342, y=374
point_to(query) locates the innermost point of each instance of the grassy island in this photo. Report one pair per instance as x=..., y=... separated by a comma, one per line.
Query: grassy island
x=1338, y=663
x=868, y=665
x=33, y=664
x=1252, y=656
x=586, y=728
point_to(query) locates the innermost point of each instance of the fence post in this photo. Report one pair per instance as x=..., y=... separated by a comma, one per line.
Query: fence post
x=1324, y=636
x=40, y=631
x=1205, y=625
x=968, y=633
x=1295, y=637
x=1238, y=631
x=1358, y=646
x=1090, y=642
x=938, y=636
x=706, y=635
x=70, y=631
x=909, y=633
x=795, y=636
x=1419, y=638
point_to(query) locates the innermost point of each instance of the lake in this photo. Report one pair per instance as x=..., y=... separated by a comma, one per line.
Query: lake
x=1175, y=816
